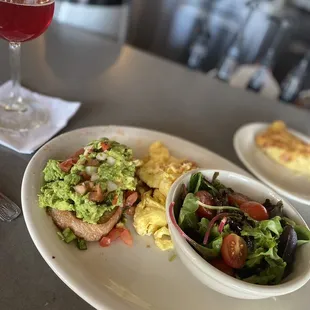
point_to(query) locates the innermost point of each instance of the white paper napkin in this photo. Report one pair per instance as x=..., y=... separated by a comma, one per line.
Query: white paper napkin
x=60, y=113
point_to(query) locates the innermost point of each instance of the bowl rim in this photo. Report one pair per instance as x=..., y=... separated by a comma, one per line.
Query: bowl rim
x=217, y=275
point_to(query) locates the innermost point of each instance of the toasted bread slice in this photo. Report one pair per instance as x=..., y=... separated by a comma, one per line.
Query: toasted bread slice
x=89, y=232
x=285, y=148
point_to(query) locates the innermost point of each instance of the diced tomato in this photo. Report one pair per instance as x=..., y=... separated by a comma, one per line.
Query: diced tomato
x=131, y=199
x=234, y=251
x=126, y=237
x=131, y=211
x=97, y=194
x=113, y=235
x=116, y=233
x=85, y=176
x=105, y=146
x=220, y=265
x=92, y=162
x=105, y=241
x=255, y=210
x=114, y=201
x=66, y=165
x=89, y=185
x=128, y=193
x=237, y=199
x=78, y=153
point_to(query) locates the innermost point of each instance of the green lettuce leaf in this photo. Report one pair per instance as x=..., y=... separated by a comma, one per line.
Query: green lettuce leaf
x=204, y=251
x=261, y=253
x=203, y=226
x=303, y=234
x=188, y=217
x=273, y=225
x=216, y=244
x=195, y=182
x=273, y=274
x=211, y=251
x=265, y=253
x=265, y=232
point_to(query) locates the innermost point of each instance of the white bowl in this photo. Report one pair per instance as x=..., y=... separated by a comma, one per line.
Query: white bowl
x=218, y=280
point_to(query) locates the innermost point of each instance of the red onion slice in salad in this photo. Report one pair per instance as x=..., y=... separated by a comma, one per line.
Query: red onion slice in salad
x=222, y=224
x=212, y=222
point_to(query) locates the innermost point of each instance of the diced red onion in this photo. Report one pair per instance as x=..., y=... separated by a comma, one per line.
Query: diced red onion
x=87, y=149
x=80, y=189
x=101, y=156
x=111, y=186
x=94, y=177
x=90, y=170
x=212, y=222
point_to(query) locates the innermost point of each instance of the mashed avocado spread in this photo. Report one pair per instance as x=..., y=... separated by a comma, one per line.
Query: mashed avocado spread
x=90, y=182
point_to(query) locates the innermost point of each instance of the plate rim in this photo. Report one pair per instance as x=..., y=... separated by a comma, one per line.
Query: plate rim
x=256, y=173
x=70, y=281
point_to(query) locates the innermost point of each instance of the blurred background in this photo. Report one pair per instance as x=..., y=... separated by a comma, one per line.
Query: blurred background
x=260, y=45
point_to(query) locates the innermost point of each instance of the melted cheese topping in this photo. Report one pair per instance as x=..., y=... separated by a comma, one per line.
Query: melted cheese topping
x=285, y=148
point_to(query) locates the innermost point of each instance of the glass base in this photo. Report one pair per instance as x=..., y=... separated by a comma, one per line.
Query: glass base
x=21, y=115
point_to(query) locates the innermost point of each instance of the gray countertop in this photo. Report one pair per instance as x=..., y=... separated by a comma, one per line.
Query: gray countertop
x=139, y=90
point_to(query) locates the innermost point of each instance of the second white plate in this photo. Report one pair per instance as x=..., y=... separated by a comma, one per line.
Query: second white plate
x=287, y=183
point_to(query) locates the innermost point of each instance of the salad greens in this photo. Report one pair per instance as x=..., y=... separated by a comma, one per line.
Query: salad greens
x=188, y=217
x=268, y=244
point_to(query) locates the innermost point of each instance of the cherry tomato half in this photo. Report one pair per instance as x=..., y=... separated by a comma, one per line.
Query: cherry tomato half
x=207, y=199
x=237, y=199
x=255, y=210
x=202, y=212
x=219, y=264
x=234, y=251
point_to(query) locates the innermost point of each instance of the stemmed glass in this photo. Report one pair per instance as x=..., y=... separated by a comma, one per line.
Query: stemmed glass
x=20, y=21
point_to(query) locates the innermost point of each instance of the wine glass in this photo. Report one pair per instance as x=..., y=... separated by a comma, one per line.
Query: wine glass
x=20, y=21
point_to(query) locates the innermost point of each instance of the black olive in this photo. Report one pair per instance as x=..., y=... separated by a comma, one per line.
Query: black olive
x=249, y=240
x=234, y=226
x=287, y=244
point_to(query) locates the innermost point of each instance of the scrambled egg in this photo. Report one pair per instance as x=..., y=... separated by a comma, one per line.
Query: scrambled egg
x=158, y=171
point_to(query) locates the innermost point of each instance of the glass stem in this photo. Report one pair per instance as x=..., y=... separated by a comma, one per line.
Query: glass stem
x=16, y=102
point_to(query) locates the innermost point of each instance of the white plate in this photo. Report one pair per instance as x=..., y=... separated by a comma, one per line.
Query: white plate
x=287, y=183
x=122, y=278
